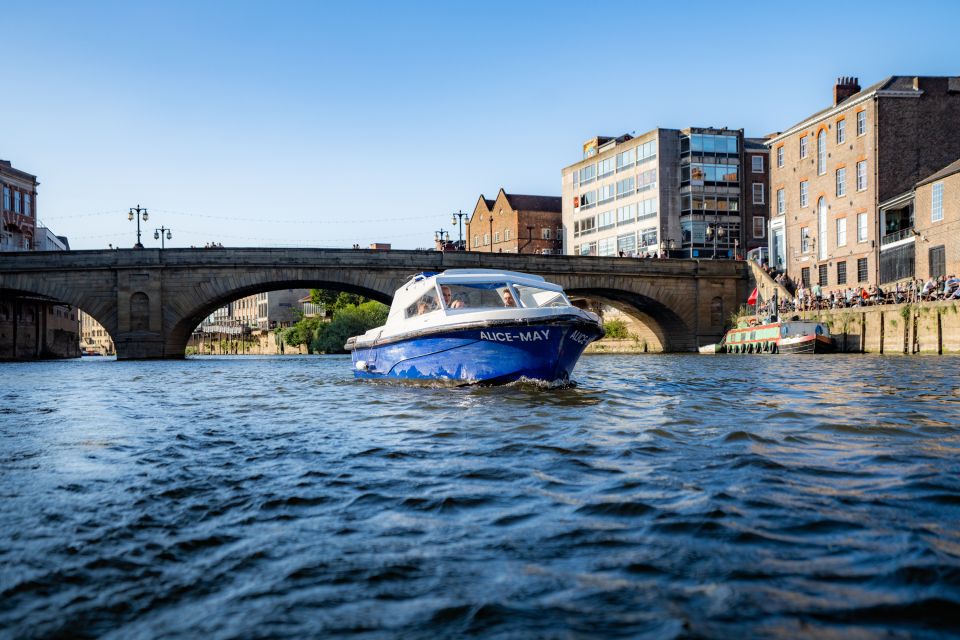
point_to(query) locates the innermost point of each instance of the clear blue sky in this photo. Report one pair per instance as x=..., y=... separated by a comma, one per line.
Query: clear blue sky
x=325, y=124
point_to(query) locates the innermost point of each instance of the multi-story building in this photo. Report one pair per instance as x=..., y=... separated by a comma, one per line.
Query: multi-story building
x=668, y=190
x=18, y=209
x=94, y=339
x=838, y=177
x=937, y=223
x=514, y=223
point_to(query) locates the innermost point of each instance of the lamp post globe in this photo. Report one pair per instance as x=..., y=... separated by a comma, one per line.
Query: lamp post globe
x=137, y=213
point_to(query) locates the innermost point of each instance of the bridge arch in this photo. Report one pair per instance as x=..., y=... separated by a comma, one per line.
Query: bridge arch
x=669, y=328
x=183, y=327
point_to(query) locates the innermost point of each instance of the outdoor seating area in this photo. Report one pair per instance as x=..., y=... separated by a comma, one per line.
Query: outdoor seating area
x=902, y=292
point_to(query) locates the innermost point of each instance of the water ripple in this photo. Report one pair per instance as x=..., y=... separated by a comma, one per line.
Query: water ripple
x=661, y=496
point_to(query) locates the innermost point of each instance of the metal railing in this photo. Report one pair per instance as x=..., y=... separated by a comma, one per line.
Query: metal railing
x=896, y=236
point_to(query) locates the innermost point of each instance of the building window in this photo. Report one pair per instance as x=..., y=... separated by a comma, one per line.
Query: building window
x=6, y=198
x=805, y=276
x=861, y=122
x=486, y=239
x=757, y=164
x=780, y=156
x=841, y=232
x=842, y=272
x=781, y=202
x=822, y=152
x=822, y=275
x=861, y=227
x=607, y=247
x=861, y=270
x=588, y=174
x=936, y=203
x=27, y=207
x=804, y=239
x=647, y=180
x=626, y=159
x=605, y=167
x=496, y=236
x=647, y=209
x=841, y=181
x=759, y=226
x=822, y=227
x=605, y=193
x=626, y=215
x=476, y=240
x=757, y=193
x=938, y=262
x=803, y=193
x=604, y=221
x=803, y=147
x=861, y=175
x=625, y=187
x=841, y=131
x=547, y=234
x=16, y=202
x=506, y=235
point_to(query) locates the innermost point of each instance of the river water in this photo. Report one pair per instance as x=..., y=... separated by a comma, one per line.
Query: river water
x=664, y=496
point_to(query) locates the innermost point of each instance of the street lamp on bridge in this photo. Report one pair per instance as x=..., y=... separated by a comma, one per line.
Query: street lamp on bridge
x=716, y=232
x=441, y=238
x=137, y=212
x=158, y=234
x=456, y=220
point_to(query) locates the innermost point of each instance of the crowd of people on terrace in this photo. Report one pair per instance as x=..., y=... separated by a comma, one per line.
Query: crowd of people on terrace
x=913, y=290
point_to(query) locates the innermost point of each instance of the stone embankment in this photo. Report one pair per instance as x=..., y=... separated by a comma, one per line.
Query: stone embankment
x=924, y=328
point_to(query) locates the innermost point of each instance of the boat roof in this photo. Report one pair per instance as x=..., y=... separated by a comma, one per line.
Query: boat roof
x=453, y=276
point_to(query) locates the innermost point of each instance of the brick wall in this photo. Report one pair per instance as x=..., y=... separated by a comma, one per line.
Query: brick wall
x=933, y=234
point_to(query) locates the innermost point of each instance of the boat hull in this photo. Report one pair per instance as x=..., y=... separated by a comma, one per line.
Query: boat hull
x=491, y=354
x=807, y=344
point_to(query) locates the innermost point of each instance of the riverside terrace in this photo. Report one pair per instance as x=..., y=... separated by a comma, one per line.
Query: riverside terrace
x=150, y=300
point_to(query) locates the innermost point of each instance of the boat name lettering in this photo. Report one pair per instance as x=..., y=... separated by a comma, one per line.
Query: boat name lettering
x=579, y=338
x=523, y=336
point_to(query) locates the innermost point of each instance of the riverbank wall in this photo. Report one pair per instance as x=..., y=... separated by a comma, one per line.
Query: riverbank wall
x=919, y=328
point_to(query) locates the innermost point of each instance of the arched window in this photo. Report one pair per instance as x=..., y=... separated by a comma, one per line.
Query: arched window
x=716, y=312
x=139, y=312
x=822, y=228
x=822, y=152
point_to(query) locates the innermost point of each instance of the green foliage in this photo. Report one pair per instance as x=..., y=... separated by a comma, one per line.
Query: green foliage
x=351, y=320
x=334, y=301
x=616, y=330
x=906, y=311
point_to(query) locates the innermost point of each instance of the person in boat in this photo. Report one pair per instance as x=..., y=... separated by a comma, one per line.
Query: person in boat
x=449, y=300
x=507, y=298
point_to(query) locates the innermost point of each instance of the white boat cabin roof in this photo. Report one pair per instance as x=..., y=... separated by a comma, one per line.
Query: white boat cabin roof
x=419, y=284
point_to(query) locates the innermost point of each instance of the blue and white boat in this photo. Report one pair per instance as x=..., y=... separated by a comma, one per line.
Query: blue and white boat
x=477, y=326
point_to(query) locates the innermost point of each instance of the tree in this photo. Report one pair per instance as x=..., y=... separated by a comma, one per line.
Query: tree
x=333, y=300
x=348, y=321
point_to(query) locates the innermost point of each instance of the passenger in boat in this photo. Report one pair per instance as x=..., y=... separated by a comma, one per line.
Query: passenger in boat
x=449, y=300
x=507, y=298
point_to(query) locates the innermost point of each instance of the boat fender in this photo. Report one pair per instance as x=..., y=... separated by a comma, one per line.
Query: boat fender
x=773, y=349
x=361, y=365
x=819, y=330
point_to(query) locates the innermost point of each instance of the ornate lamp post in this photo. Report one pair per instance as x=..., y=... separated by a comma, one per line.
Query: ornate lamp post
x=160, y=234
x=715, y=232
x=137, y=212
x=456, y=220
x=441, y=238
x=491, y=233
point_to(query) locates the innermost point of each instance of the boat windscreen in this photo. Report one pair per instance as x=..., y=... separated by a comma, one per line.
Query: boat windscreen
x=537, y=297
x=477, y=295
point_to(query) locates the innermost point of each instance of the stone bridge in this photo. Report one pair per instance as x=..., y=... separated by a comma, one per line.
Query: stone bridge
x=151, y=300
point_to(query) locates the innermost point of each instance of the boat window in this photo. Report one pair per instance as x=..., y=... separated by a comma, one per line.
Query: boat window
x=425, y=304
x=537, y=297
x=477, y=295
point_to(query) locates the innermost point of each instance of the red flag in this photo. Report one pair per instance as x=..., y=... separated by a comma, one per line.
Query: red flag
x=753, y=297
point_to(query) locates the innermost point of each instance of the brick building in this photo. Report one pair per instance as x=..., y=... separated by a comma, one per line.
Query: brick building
x=684, y=191
x=514, y=223
x=18, y=209
x=937, y=223
x=838, y=177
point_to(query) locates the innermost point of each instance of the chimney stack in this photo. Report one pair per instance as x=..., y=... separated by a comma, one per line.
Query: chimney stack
x=845, y=88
